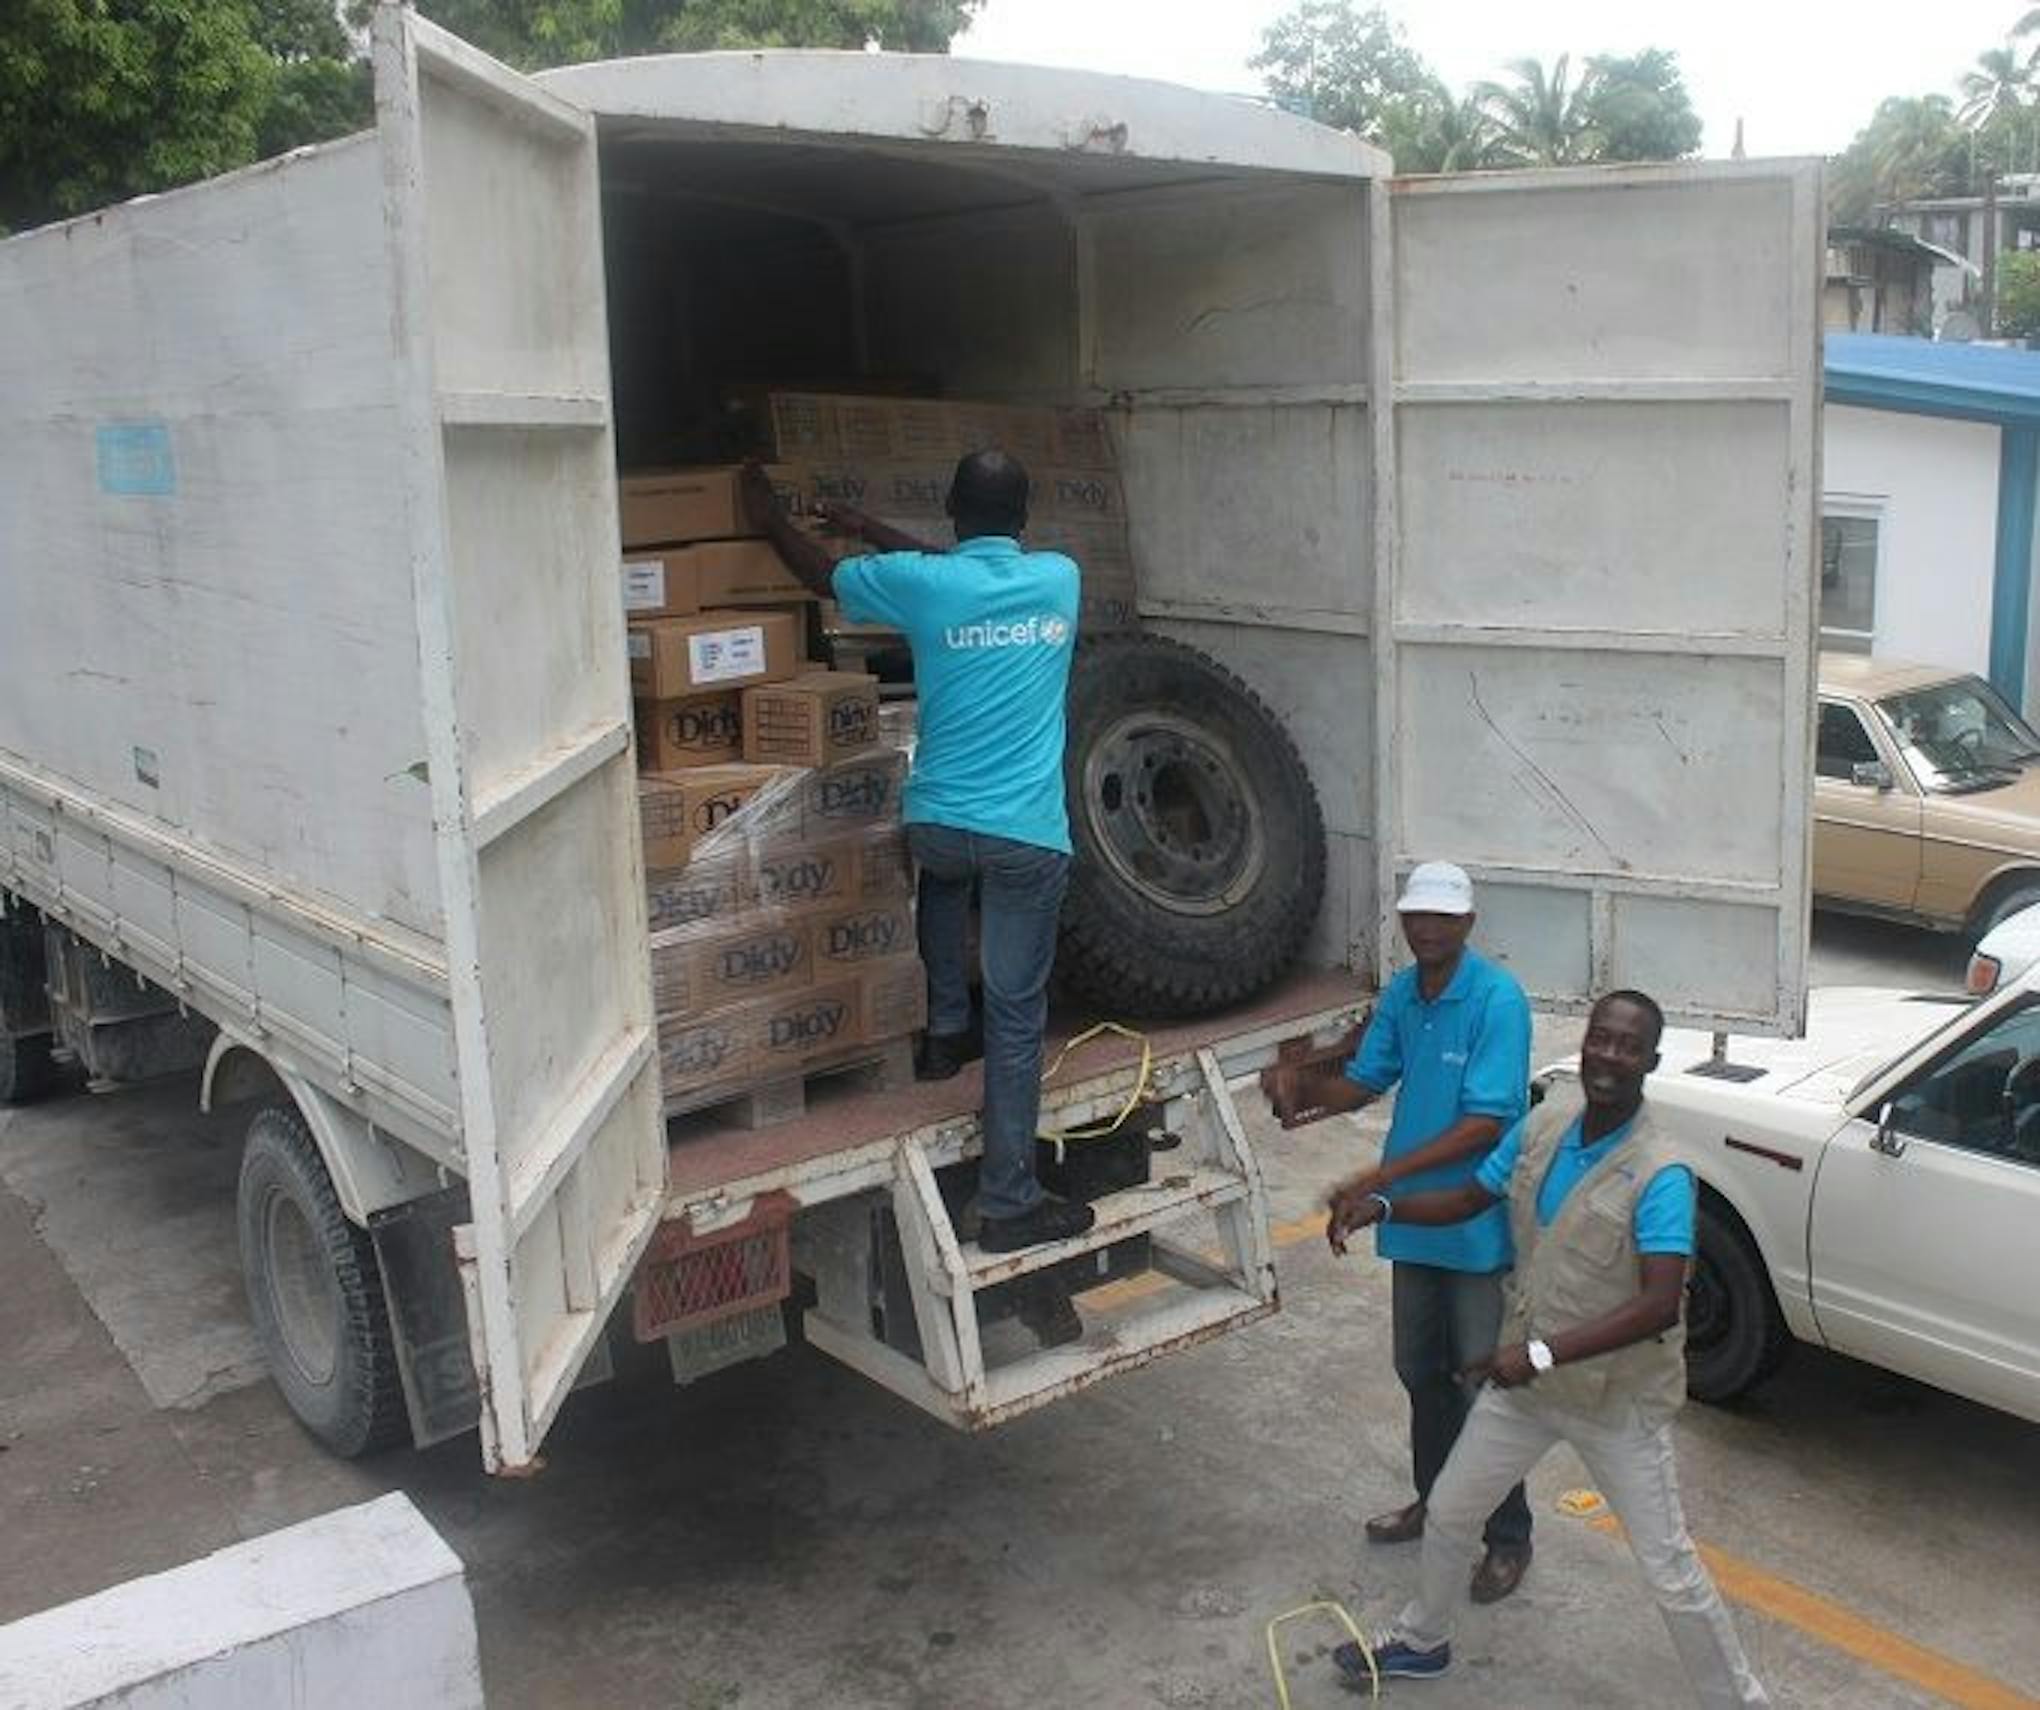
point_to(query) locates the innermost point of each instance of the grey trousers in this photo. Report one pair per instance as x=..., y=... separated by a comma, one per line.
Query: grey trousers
x=1509, y=1432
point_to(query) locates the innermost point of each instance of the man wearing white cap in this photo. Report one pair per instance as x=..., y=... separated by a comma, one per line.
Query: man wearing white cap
x=1452, y=1035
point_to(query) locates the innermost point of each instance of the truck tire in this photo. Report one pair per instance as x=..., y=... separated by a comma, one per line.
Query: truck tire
x=27, y=1071
x=1735, y=1334
x=1200, y=846
x=315, y=1292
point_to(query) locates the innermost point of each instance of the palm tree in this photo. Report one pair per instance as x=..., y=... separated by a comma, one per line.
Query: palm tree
x=1999, y=84
x=1538, y=120
x=1914, y=139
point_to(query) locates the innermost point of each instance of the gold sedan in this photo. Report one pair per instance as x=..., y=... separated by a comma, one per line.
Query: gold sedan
x=1926, y=796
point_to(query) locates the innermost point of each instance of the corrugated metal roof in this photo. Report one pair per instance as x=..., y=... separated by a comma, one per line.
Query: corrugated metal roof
x=1982, y=382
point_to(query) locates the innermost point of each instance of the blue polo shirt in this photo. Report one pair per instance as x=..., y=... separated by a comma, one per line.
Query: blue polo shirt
x=1664, y=1210
x=992, y=629
x=1465, y=1052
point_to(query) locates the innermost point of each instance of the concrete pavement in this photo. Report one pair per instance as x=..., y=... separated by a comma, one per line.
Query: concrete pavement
x=788, y=1535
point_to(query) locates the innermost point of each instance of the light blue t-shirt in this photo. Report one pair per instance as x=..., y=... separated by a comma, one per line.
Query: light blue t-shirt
x=1465, y=1052
x=992, y=630
x=1664, y=1210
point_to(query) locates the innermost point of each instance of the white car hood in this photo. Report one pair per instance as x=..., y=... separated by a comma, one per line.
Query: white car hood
x=1850, y=1030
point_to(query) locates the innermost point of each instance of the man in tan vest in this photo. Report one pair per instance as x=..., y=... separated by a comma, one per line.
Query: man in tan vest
x=1592, y=1349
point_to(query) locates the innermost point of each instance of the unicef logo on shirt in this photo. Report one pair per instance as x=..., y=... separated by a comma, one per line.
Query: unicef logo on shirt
x=1045, y=629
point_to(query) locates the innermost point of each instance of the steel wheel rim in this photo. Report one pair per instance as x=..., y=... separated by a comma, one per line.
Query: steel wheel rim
x=302, y=1293
x=1171, y=813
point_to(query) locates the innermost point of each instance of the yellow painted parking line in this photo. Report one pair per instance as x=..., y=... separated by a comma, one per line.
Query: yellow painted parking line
x=1741, y=1582
x=1844, y=1630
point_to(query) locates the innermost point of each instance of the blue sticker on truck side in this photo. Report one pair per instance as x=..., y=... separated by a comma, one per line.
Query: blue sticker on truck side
x=134, y=458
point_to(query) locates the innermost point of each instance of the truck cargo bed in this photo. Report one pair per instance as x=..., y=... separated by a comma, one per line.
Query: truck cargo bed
x=844, y=1143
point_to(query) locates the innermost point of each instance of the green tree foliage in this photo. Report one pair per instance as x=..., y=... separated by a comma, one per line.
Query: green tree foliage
x=1540, y=117
x=1638, y=107
x=1352, y=68
x=2018, y=294
x=1347, y=68
x=538, y=33
x=106, y=99
x=98, y=101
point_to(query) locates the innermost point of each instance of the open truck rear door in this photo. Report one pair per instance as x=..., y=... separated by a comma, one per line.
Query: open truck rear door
x=493, y=217
x=1594, y=627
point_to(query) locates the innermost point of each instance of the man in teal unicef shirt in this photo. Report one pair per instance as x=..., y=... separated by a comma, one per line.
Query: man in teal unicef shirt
x=992, y=627
x=1452, y=1036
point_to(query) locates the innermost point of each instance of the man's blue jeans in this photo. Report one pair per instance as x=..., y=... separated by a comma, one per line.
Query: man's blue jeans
x=1443, y=1322
x=1020, y=890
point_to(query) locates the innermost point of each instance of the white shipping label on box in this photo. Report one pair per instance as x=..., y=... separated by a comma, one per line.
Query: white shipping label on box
x=640, y=645
x=723, y=654
x=644, y=589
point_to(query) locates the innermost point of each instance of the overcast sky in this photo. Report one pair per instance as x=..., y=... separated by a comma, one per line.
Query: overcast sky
x=1803, y=75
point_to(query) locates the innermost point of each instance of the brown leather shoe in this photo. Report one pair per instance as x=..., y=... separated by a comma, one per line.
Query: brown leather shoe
x=1404, y=1526
x=1499, y=1573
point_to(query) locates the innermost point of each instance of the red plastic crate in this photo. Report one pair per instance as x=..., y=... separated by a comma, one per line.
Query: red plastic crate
x=687, y=1280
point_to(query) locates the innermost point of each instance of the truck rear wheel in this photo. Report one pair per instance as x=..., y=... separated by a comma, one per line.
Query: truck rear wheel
x=27, y=1071
x=1200, y=846
x=1735, y=1334
x=315, y=1292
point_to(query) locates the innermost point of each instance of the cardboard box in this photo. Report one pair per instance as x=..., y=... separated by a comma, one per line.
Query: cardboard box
x=699, y=730
x=739, y=573
x=853, y=796
x=826, y=427
x=701, y=1052
x=892, y=999
x=814, y=720
x=657, y=584
x=847, y=940
x=711, y=795
x=805, y=1027
x=662, y=821
x=885, y=866
x=663, y=506
x=709, y=889
x=671, y=658
x=807, y=876
x=757, y=957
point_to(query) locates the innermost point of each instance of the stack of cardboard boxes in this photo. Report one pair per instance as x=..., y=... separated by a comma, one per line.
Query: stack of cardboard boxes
x=787, y=942
x=893, y=458
x=778, y=881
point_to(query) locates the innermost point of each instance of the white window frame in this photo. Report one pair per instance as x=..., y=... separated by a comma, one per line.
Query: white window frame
x=1866, y=507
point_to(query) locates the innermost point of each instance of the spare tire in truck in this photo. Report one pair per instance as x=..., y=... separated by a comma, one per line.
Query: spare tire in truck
x=1200, y=846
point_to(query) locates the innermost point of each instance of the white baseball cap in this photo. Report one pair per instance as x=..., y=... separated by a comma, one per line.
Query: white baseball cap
x=1436, y=887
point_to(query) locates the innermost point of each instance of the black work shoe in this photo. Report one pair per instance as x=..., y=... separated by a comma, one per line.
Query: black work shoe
x=1051, y=1220
x=942, y=1054
x=1047, y=1310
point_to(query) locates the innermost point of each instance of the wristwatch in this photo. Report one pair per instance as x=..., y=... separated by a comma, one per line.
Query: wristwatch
x=1540, y=1355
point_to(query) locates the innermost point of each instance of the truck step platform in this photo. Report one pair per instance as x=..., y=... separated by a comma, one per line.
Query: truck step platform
x=1209, y=1262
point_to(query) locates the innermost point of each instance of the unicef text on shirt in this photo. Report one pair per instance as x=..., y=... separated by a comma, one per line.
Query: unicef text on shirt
x=1045, y=630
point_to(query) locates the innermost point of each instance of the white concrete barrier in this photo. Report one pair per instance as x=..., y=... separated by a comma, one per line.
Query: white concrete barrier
x=365, y=1606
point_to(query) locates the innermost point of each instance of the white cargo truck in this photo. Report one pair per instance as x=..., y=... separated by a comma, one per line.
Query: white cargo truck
x=315, y=750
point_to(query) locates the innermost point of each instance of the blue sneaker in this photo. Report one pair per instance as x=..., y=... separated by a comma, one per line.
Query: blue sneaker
x=1394, y=1659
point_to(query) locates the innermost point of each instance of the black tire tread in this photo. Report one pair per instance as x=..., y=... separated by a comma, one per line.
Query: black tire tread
x=370, y=1414
x=1725, y=1230
x=1102, y=962
x=2008, y=900
x=27, y=1070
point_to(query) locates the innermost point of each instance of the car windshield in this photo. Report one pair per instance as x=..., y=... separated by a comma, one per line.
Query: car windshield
x=1958, y=735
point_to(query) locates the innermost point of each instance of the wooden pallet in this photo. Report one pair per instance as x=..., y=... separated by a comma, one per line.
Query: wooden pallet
x=871, y=1068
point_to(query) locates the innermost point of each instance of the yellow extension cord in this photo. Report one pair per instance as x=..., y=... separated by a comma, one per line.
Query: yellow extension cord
x=1328, y=1607
x=1059, y=1137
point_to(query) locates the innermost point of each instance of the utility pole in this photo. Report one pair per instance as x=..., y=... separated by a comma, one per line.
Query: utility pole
x=1990, y=243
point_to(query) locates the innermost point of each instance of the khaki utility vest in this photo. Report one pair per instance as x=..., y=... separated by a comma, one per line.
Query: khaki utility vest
x=1586, y=1264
